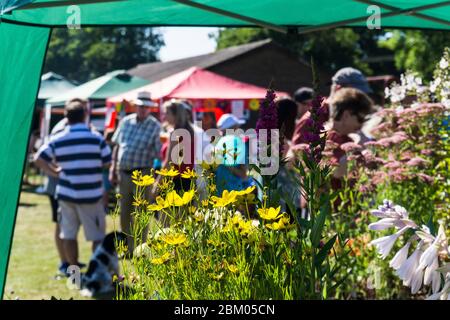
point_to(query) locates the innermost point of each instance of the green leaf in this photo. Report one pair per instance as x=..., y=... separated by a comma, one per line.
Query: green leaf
x=323, y=253
x=319, y=223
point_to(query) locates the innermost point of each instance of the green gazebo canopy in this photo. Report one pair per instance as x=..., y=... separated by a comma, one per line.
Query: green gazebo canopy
x=108, y=85
x=53, y=84
x=25, y=28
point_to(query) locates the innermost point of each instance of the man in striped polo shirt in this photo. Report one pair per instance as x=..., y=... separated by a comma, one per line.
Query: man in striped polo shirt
x=80, y=155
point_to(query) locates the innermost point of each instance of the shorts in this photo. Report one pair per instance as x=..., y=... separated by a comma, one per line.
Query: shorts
x=90, y=215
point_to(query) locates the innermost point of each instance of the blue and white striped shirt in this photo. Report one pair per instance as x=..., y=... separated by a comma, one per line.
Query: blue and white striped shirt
x=81, y=154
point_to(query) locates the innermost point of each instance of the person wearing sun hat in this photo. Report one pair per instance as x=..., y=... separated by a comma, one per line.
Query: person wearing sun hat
x=347, y=77
x=229, y=121
x=136, y=145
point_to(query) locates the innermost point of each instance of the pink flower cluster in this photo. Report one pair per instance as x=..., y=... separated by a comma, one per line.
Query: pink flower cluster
x=313, y=130
x=268, y=115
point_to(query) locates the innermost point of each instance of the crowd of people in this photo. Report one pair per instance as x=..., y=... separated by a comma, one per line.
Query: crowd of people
x=83, y=166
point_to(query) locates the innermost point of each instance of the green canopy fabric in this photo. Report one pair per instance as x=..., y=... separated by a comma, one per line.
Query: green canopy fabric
x=279, y=12
x=109, y=85
x=25, y=27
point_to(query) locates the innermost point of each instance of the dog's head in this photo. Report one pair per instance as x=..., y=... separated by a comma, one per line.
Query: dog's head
x=112, y=239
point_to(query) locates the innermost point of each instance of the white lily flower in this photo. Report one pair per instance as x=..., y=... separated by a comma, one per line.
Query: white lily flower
x=378, y=213
x=385, y=244
x=382, y=224
x=443, y=294
x=428, y=256
x=400, y=257
x=408, y=268
x=416, y=280
x=401, y=212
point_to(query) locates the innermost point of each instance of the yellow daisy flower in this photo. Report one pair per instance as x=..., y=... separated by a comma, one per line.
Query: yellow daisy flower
x=158, y=206
x=205, y=203
x=174, y=238
x=144, y=181
x=188, y=196
x=245, y=227
x=189, y=174
x=164, y=258
x=246, y=191
x=136, y=175
x=233, y=268
x=283, y=223
x=269, y=213
x=227, y=198
x=173, y=199
x=276, y=225
x=236, y=219
x=168, y=172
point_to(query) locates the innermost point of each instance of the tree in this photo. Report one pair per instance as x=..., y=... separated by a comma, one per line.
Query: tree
x=87, y=53
x=416, y=50
x=332, y=49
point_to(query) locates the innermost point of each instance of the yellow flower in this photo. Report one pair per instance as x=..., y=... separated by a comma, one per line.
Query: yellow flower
x=168, y=173
x=188, y=196
x=189, y=174
x=227, y=198
x=136, y=175
x=246, y=191
x=236, y=219
x=228, y=227
x=212, y=188
x=246, y=227
x=192, y=209
x=165, y=257
x=144, y=181
x=269, y=213
x=232, y=268
x=205, y=203
x=173, y=199
x=158, y=206
x=276, y=225
x=174, y=238
x=283, y=223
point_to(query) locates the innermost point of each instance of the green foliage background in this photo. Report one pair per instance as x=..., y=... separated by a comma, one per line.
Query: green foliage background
x=87, y=53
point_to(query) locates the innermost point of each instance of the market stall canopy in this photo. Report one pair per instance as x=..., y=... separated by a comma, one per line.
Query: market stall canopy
x=278, y=15
x=196, y=83
x=110, y=84
x=53, y=84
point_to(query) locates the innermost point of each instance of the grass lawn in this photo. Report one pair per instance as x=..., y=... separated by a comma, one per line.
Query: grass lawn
x=34, y=260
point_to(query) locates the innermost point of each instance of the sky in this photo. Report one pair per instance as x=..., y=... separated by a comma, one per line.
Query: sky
x=183, y=42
